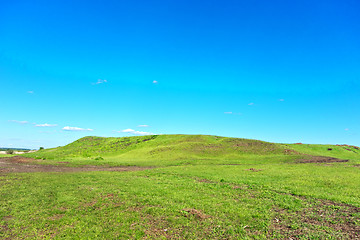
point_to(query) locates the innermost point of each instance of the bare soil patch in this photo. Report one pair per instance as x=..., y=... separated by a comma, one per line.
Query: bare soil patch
x=321, y=159
x=253, y=170
x=333, y=219
x=203, y=180
x=21, y=164
x=196, y=213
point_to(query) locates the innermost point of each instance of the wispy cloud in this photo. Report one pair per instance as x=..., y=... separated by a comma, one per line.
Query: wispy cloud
x=143, y=125
x=346, y=129
x=20, y=122
x=132, y=131
x=281, y=100
x=67, y=128
x=100, y=81
x=45, y=125
x=30, y=92
x=154, y=82
x=233, y=113
x=251, y=104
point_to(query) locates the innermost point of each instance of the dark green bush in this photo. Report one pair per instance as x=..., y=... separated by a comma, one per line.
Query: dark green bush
x=9, y=151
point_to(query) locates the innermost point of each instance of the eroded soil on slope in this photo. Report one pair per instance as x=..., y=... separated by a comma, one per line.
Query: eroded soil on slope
x=22, y=164
x=321, y=159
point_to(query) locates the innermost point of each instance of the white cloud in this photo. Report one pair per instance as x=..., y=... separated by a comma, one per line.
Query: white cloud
x=143, y=126
x=20, y=122
x=154, y=82
x=228, y=112
x=67, y=128
x=281, y=100
x=45, y=125
x=31, y=92
x=99, y=81
x=127, y=130
x=251, y=104
x=132, y=131
x=346, y=129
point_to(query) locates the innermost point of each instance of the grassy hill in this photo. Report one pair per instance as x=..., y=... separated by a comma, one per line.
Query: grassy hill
x=204, y=187
x=186, y=149
x=164, y=150
x=338, y=151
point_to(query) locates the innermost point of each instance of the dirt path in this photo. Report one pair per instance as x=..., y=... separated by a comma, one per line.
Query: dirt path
x=21, y=164
x=321, y=159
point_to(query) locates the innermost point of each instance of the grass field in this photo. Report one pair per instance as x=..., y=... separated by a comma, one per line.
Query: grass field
x=203, y=187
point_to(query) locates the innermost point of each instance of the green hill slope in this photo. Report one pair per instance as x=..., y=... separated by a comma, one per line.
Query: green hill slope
x=183, y=149
x=336, y=151
x=163, y=147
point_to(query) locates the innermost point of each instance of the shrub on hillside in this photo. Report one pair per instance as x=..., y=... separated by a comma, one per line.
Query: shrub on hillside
x=9, y=151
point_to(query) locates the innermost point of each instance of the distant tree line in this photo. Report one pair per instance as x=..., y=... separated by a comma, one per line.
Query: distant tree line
x=15, y=149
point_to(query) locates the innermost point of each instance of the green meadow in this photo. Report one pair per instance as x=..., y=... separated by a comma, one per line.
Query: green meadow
x=200, y=187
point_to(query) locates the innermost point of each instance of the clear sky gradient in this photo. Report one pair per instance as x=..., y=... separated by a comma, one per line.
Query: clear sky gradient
x=279, y=71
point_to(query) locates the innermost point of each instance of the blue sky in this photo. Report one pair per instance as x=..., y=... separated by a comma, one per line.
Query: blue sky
x=279, y=71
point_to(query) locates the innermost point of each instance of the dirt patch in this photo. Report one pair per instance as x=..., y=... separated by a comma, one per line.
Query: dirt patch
x=321, y=159
x=291, y=152
x=196, y=213
x=7, y=218
x=348, y=146
x=109, y=196
x=5, y=229
x=320, y=219
x=156, y=228
x=89, y=204
x=203, y=180
x=21, y=164
x=5, y=232
x=253, y=170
